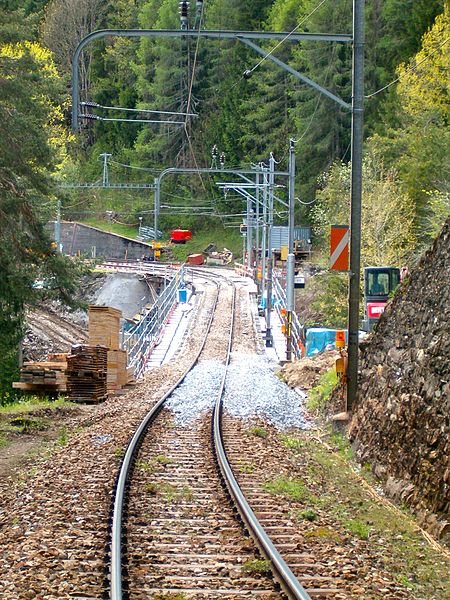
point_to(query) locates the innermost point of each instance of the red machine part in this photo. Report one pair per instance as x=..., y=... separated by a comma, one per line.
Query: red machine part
x=180, y=236
x=195, y=259
x=375, y=309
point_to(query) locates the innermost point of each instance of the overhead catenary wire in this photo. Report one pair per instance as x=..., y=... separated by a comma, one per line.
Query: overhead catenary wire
x=138, y=110
x=287, y=36
x=410, y=68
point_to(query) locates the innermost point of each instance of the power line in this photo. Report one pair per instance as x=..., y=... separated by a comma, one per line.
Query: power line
x=286, y=37
x=411, y=68
x=139, y=110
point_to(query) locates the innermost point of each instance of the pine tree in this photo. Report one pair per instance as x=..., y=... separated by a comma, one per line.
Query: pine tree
x=30, y=119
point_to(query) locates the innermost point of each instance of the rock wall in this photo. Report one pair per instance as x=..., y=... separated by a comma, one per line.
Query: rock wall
x=400, y=424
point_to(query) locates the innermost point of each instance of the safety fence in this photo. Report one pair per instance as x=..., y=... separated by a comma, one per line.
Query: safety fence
x=140, y=340
x=279, y=305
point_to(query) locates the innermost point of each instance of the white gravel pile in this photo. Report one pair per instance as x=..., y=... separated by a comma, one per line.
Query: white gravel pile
x=252, y=390
x=198, y=392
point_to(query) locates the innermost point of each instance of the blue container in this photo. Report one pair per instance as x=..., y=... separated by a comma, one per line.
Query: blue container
x=182, y=295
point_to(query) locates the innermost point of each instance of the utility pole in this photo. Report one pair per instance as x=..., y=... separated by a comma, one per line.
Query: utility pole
x=356, y=195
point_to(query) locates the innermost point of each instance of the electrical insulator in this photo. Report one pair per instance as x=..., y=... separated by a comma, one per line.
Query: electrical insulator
x=214, y=151
x=247, y=74
x=184, y=6
x=91, y=104
x=222, y=160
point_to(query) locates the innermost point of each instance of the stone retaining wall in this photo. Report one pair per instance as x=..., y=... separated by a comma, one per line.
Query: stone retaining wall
x=400, y=424
x=77, y=238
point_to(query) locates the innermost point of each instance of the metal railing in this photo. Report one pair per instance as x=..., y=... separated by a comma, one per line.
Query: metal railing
x=140, y=340
x=297, y=328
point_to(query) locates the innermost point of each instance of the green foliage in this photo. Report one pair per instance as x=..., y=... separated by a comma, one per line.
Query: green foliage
x=330, y=299
x=290, y=488
x=256, y=566
x=308, y=515
x=319, y=394
x=30, y=119
x=257, y=432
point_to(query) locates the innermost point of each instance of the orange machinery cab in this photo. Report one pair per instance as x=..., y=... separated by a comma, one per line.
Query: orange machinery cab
x=180, y=236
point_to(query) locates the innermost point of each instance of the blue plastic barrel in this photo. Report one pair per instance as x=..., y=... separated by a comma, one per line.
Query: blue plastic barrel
x=182, y=295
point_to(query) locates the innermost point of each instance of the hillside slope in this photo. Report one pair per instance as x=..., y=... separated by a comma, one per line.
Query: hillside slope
x=400, y=424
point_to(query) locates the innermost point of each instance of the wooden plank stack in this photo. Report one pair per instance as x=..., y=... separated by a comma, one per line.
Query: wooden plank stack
x=117, y=369
x=104, y=326
x=45, y=376
x=90, y=371
x=87, y=373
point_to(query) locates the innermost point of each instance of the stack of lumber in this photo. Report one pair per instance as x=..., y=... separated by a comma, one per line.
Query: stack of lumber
x=87, y=373
x=117, y=370
x=48, y=376
x=104, y=326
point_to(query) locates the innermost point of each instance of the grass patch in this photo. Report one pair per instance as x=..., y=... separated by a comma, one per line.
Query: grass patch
x=341, y=444
x=63, y=437
x=169, y=492
x=26, y=424
x=290, y=488
x=307, y=515
x=222, y=238
x=323, y=533
x=357, y=517
x=130, y=231
x=318, y=395
x=164, y=460
x=245, y=467
x=292, y=443
x=169, y=597
x=256, y=566
x=358, y=528
x=257, y=432
x=32, y=403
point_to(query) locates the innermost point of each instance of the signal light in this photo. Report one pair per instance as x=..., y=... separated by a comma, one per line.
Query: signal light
x=340, y=338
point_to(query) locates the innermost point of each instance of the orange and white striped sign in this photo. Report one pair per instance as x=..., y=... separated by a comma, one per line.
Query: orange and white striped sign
x=339, y=247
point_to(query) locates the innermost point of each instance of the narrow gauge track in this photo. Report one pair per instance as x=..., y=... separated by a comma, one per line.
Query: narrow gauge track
x=181, y=535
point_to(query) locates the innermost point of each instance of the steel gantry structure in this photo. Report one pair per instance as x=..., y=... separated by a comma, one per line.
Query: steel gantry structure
x=357, y=112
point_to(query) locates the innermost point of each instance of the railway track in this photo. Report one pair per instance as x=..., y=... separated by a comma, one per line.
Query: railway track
x=174, y=531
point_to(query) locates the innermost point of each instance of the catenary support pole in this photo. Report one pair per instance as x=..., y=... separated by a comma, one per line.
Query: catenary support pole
x=157, y=205
x=58, y=227
x=269, y=254
x=249, y=234
x=290, y=266
x=291, y=196
x=257, y=260
x=356, y=195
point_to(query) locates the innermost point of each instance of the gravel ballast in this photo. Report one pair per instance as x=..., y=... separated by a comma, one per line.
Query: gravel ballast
x=252, y=390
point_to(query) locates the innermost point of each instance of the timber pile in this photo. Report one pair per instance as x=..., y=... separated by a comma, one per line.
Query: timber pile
x=104, y=326
x=87, y=373
x=117, y=370
x=45, y=376
x=400, y=424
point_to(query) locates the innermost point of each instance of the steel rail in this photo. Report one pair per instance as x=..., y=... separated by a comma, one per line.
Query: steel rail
x=281, y=571
x=116, y=571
